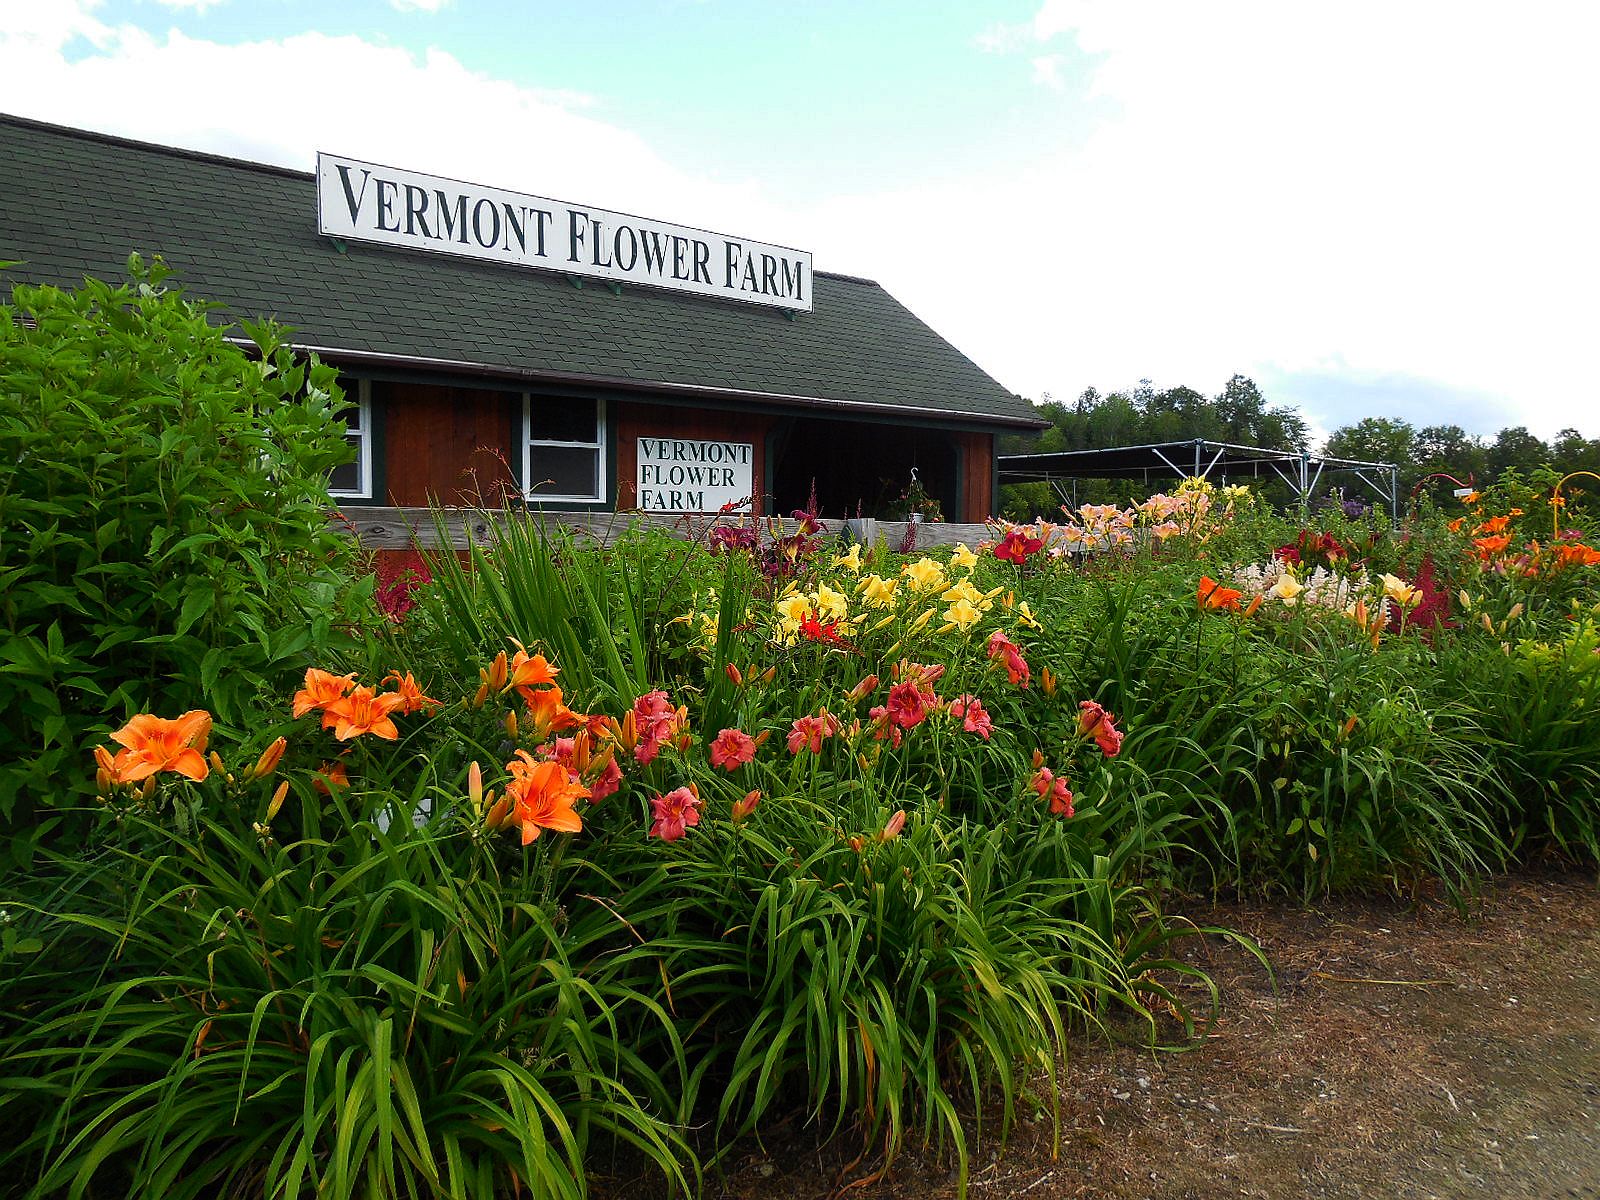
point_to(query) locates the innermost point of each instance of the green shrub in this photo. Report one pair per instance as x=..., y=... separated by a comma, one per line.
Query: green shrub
x=164, y=534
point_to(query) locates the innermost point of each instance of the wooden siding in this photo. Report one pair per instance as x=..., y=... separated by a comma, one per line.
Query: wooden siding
x=977, y=476
x=450, y=444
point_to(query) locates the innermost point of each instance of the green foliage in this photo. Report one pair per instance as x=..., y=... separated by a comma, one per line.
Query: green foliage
x=164, y=540
x=336, y=1007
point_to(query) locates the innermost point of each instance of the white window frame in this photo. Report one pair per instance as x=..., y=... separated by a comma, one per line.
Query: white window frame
x=363, y=440
x=600, y=444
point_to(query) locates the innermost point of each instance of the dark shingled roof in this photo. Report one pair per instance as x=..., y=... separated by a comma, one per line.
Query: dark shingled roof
x=244, y=234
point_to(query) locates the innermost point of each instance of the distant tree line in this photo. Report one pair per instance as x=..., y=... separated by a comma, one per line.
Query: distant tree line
x=1241, y=414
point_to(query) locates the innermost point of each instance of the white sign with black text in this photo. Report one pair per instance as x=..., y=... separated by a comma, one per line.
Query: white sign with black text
x=365, y=202
x=676, y=475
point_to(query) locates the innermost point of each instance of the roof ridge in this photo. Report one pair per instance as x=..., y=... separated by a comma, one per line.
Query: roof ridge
x=114, y=139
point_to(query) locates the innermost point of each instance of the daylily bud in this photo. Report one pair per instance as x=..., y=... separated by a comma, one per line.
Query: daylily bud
x=216, y=763
x=1253, y=607
x=511, y=724
x=743, y=808
x=893, y=828
x=1047, y=682
x=475, y=786
x=1038, y=760
x=278, y=797
x=855, y=843
x=864, y=761
x=769, y=674
x=481, y=696
x=498, y=812
x=149, y=787
x=761, y=738
x=1466, y=600
x=734, y=676
x=628, y=732
x=864, y=688
x=268, y=762
x=1349, y=727
x=1488, y=625
x=498, y=673
x=1516, y=611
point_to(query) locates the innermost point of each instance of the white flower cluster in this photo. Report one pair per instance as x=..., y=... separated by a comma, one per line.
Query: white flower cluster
x=1274, y=580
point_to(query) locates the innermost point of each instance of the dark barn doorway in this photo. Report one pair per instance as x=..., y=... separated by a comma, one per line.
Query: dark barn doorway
x=860, y=469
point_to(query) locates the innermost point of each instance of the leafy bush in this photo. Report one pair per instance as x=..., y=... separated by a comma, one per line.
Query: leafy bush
x=164, y=539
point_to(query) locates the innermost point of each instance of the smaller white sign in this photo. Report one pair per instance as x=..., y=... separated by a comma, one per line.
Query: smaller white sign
x=677, y=475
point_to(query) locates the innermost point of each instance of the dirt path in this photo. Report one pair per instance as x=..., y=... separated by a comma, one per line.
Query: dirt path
x=1406, y=1054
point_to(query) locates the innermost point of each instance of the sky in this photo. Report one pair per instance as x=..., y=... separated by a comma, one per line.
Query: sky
x=1371, y=208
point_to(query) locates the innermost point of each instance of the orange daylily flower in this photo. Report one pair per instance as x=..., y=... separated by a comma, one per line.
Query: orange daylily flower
x=1577, y=554
x=322, y=689
x=547, y=712
x=330, y=776
x=1491, y=545
x=1493, y=525
x=153, y=744
x=1212, y=595
x=544, y=797
x=531, y=671
x=411, y=697
x=363, y=711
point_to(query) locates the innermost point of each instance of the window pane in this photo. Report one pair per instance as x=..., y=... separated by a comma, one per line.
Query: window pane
x=558, y=472
x=345, y=478
x=352, y=417
x=553, y=419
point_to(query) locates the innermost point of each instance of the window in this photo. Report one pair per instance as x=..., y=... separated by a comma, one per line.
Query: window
x=564, y=453
x=355, y=478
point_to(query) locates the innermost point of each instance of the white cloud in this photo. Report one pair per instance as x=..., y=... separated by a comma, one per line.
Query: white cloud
x=1047, y=71
x=431, y=6
x=198, y=6
x=1297, y=192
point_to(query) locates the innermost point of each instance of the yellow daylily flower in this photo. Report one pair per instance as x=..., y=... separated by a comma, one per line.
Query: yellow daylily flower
x=877, y=591
x=852, y=560
x=963, y=557
x=962, y=615
x=832, y=605
x=963, y=591
x=1401, y=592
x=925, y=574
x=1026, y=619
x=1287, y=589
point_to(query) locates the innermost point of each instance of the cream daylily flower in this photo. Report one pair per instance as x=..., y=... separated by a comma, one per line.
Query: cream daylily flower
x=877, y=591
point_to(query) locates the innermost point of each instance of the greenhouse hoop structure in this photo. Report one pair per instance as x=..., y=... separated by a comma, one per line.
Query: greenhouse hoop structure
x=1198, y=458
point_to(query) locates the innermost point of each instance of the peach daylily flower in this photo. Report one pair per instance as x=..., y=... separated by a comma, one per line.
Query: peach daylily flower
x=152, y=744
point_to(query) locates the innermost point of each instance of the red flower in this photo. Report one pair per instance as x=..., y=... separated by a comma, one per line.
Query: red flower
x=1055, y=790
x=909, y=704
x=970, y=712
x=1095, y=722
x=731, y=749
x=806, y=733
x=1002, y=648
x=814, y=630
x=882, y=726
x=656, y=721
x=674, y=813
x=1017, y=547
